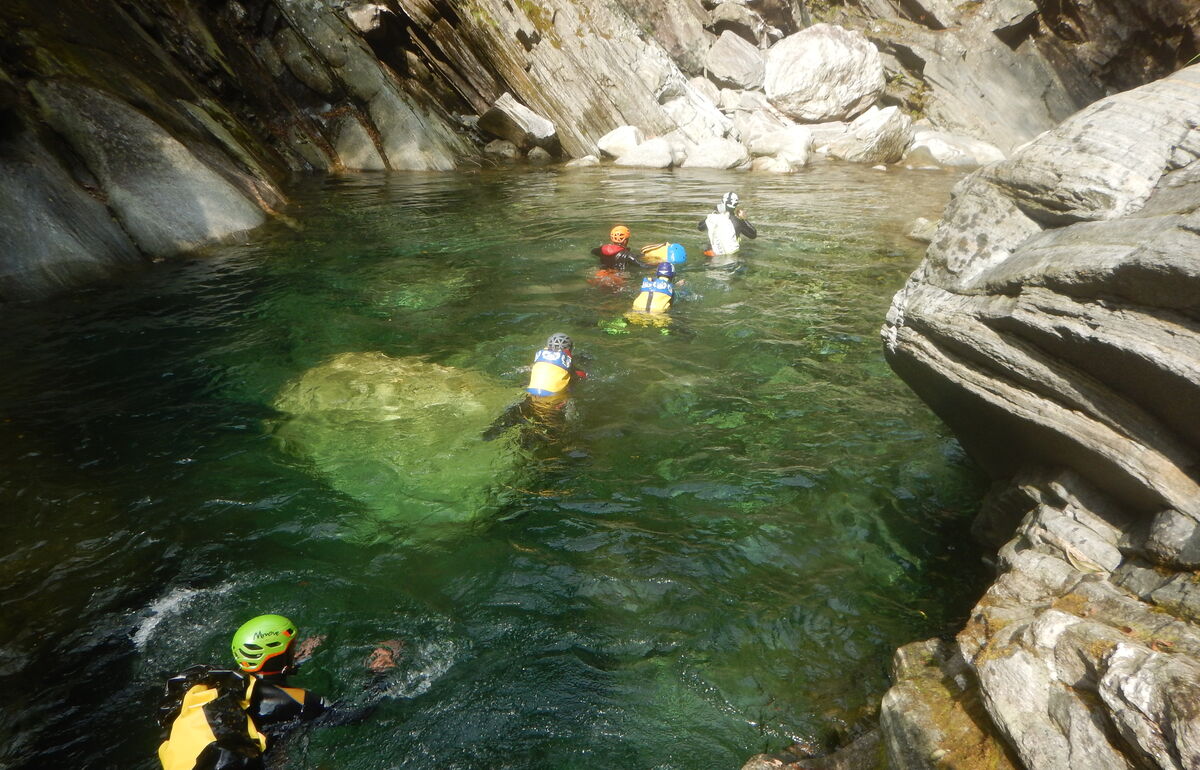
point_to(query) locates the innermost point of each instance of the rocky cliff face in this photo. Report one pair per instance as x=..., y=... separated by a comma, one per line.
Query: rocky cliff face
x=132, y=130
x=1055, y=326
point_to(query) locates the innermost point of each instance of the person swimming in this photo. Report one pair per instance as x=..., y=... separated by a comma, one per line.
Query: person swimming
x=615, y=258
x=550, y=379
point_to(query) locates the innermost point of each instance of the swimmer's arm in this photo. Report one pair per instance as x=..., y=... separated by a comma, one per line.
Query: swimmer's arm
x=745, y=228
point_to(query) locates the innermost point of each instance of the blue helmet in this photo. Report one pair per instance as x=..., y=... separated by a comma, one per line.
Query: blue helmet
x=676, y=254
x=666, y=269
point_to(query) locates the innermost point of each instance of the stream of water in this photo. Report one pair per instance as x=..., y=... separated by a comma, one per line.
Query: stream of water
x=715, y=554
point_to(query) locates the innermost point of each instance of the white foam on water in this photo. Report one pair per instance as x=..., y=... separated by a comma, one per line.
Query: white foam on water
x=430, y=661
x=166, y=607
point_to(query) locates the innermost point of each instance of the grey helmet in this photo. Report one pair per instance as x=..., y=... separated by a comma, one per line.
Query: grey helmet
x=558, y=342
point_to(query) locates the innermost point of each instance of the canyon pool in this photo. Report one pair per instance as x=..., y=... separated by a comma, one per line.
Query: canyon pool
x=711, y=551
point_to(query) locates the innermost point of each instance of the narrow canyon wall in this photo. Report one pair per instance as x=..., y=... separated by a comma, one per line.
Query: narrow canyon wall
x=1055, y=326
x=132, y=130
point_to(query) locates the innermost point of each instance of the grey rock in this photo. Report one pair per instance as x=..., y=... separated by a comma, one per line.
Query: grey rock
x=165, y=198
x=1174, y=540
x=75, y=239
x=734, y=63
x=823, y=73
x=737, y=19
x=718, y=153
x=587, y=161
x=941, y=148
x=620, y=140
x=653, y=153
x=511, y=120
x=538, y=156
x=922, y=230
x=791, y=144
x=355, y=147
x=502, y=148
x=303, y=62
x=876, y=136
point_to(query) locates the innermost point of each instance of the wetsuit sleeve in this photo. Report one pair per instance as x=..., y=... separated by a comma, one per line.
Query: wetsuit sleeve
x=745, y=228
x=628, y=256
x=596, y=252
x=703, y=224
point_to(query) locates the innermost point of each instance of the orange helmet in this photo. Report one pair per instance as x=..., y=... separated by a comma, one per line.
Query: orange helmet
x=619, y=234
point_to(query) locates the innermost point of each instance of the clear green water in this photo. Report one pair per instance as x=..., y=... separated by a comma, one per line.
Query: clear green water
x=716, y=555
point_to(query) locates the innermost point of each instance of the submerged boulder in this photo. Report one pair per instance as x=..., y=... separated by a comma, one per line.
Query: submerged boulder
x=400, y=435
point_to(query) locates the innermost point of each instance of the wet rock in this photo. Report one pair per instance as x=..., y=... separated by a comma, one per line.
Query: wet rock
x=653, y=153
x=502, y=148
x=931, y=147
x=734, y=63
x=400, y=435
x=303, y=62
x=718, y=153
x=876, y=136
x=620, y=140
x=585, y=162
x=823, y=73
x=791, y=144
x=355, y=147
x=922, y=230
x=76, y=239
x=165, y=198
x=538, y=156
x=511, y=120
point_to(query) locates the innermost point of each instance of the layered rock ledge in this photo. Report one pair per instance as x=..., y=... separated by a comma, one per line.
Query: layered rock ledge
x=1054, y=325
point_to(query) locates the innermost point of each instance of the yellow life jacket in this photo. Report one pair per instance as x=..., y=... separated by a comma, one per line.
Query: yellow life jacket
x=655, y=253
x=551, y=373
x=211, y=713
x=656, y=296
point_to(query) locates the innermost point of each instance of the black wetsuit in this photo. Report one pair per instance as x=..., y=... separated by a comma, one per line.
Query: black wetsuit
x=620, y=260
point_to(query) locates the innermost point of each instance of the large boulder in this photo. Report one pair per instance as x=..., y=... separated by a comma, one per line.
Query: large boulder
x=511, y=120
x=823, y=73
x=718, y=153
x=166, y=198
x=653, y=153
x=620, y=140
x=1054, y=325
x=791, y=144
x=734, y=63
x=876, y=136
x=400, y=435
x=942, y=148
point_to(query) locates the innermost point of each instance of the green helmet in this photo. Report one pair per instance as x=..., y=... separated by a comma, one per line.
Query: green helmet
x=260, y=639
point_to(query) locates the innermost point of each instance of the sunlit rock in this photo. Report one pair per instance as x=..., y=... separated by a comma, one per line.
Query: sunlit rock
x=653, y=153
x=355, y=147
x=823, y=73
x=620, y=140
x=511, y=120
x=876, y=136
x=735, y=63
x=400, y=435
x=941, y=148
x=718, y=153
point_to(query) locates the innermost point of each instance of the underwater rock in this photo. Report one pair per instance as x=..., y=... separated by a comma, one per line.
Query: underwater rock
x=400, y=435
